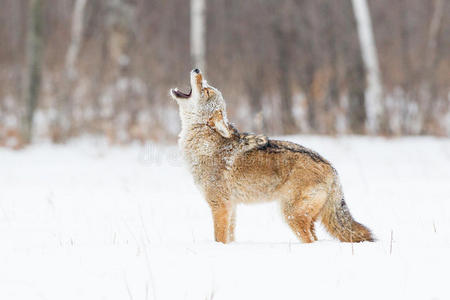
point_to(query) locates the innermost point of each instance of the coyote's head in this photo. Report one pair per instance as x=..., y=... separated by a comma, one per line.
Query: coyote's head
x=203, y=104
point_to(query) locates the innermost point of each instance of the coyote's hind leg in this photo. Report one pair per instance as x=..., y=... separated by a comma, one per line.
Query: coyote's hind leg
x=301, y=213
x=301, y=224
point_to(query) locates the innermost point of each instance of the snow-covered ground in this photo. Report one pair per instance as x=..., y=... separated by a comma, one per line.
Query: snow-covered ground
x=86, y=221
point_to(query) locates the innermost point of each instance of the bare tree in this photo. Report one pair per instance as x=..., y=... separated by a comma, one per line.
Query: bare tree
x=430, y=64
x=198, y=34
x=63, y=122
x=356, y=113
x=34, y=48
x=255, y=92
x=369, y=54
x=284, y=35
x=76, y=37
x=435, y=25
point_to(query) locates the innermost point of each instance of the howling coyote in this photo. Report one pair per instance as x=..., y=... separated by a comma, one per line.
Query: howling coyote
x=231, y=168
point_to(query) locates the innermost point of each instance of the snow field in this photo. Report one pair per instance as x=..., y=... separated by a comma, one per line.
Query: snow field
x=88, y=221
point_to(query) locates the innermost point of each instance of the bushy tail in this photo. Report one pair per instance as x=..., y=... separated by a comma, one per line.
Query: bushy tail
x=339, y=222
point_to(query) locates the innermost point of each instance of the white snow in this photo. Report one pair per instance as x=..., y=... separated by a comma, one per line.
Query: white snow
x=86, y=221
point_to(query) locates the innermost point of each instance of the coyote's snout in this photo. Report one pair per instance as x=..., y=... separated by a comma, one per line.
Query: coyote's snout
x=203, y=104
x=230, y=168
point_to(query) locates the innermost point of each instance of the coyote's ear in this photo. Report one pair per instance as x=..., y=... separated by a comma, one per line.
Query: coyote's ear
x=218, y=123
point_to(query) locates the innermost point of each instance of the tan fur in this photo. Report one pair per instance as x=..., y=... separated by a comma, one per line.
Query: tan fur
x=246, y=168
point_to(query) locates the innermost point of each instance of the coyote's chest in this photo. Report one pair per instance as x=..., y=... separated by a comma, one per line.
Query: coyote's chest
x=206, y=155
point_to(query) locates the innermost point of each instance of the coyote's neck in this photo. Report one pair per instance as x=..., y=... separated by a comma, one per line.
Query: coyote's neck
x=198, y=138
x=200, y=146
x=189, y=119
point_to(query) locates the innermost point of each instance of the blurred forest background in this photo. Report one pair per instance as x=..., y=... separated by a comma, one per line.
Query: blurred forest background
x=104, y=67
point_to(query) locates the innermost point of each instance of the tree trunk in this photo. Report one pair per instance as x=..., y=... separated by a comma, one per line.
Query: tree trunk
x=198, y=34
x=255, y=92
x=64, y=120
x=34, y=60
x=284, y=40
x=356, y=99
x=309, y=71
x=332, y=98
x=374, y=90
x=408, y=83
x=76, y=37
x=430, y=96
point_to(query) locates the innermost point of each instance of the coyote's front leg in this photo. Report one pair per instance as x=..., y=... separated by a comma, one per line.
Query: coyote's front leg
x=222, y=216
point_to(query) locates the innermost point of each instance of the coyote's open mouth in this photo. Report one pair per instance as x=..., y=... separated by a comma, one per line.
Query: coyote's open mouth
x=180, y=94
x=195, y=86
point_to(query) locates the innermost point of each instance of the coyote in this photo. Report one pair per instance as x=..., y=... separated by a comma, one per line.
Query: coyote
x=231, y=168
